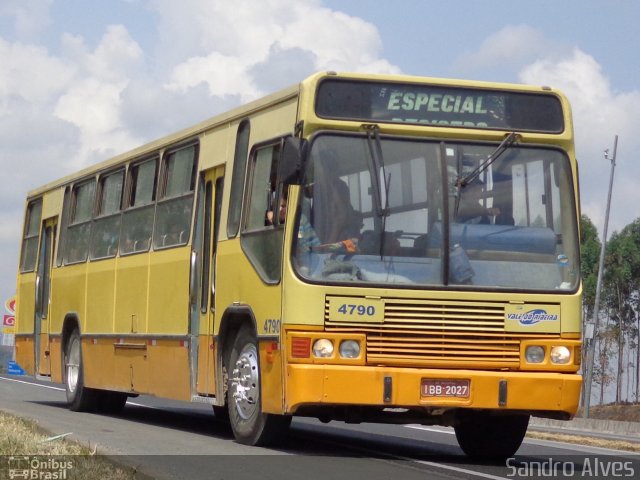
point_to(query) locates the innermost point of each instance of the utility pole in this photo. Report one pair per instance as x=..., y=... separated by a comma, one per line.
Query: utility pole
x=591, y=331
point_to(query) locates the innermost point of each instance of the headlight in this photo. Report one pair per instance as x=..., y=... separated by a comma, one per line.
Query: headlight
x=560, y=355
x=534, y=354
x=323, y=348
x=349, y=349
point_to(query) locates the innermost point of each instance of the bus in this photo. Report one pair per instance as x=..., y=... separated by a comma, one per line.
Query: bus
x=359, y=248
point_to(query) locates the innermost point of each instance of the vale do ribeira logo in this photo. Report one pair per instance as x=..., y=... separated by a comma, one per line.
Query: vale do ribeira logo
x=533, y=317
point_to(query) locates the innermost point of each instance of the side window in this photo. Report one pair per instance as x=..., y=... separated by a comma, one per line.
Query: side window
x=105, y=235
x=66, y=215
x=173, y=214
x=262, y=236
x=79, y=229
x=137, y=219
x=237, y=179
x=262, y=191
x=30, y=236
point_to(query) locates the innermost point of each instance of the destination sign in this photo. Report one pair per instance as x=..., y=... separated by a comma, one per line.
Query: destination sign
x=439, y=106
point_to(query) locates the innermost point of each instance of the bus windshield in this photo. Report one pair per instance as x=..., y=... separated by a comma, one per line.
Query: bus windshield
x=394, y=211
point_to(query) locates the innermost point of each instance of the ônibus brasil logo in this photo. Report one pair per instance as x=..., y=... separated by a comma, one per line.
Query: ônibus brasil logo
x=532, y=317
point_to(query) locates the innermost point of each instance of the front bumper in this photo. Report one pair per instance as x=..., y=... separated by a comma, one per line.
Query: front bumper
x=323, y=385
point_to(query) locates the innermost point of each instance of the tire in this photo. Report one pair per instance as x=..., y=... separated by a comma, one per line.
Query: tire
x=491, y=437
x=79, y=398
x=250, y=426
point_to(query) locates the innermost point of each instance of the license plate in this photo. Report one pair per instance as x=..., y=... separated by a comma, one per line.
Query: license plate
x=445, y=388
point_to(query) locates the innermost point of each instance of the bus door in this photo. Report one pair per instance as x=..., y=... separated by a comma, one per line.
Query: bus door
x=43, y=294
x=203, y=279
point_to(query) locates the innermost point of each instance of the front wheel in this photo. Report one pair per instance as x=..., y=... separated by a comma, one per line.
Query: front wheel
x=491, y=437
x=250, y=426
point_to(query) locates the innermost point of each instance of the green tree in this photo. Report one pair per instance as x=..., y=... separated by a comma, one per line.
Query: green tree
x=622, y=279
x=590, y=246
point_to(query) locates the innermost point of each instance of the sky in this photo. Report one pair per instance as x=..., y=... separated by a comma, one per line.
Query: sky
x=81, y=81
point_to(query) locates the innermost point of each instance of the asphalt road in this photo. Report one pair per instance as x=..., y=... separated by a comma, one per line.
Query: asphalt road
x=176, y=440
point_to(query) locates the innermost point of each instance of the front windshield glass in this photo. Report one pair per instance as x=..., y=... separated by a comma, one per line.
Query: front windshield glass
x=393, y=211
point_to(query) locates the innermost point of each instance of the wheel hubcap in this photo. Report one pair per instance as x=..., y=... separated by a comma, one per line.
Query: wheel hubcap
x=245, y=381
x=73, y=365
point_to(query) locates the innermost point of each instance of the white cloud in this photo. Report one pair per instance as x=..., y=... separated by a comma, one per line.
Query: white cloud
x=512, y=45
x=116, y=57
x=20, y=77
x=29, y=16
x=236, y=40
x=599, y=114
x=224, y=75
x=92, y=102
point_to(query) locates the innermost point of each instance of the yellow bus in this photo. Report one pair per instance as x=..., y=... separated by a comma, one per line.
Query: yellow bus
x=361, y=248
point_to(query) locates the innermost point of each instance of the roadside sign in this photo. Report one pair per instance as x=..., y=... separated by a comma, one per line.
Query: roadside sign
x=14, y=368
x=10, y=305
x=9, y=321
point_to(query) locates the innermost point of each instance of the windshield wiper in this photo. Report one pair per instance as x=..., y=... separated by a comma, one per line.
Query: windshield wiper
x=377, y=166
x=508, y=141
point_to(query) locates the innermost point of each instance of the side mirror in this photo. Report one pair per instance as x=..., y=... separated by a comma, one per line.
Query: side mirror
x=292, y=159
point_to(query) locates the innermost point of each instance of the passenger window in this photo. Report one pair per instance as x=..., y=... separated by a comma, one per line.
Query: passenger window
x=137, y=220
x=79, y=230
x=237, y=179
x=31, y=235
x=105, y=235
x=173, y=215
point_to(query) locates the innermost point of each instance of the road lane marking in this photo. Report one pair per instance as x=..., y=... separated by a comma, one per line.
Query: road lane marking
x=455, y=469
x=430, y=429
x=62, y=390
x=32, y=383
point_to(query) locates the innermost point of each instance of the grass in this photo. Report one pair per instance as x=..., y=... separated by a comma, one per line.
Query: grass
x=22, y=438
x=585, y=440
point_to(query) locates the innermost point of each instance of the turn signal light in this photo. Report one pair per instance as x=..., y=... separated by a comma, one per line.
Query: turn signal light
x=300, y=347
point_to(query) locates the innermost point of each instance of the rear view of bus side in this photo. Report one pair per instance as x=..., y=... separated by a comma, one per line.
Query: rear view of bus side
x=356, y=247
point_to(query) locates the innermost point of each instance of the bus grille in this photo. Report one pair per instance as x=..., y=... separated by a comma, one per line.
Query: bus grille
x=435, y=333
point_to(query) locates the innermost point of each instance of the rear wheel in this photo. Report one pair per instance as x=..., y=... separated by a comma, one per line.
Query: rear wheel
x=79, y=398
x=491, y=437
x=250, y=426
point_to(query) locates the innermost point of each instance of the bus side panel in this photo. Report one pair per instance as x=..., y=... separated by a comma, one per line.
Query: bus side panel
x=55, y=347
x=101, y=290
x=169, y=369
x=98, y=364
x=131, y=294
x=25, y=353
x=68, y=295
x=129, y=363
x=100, y=314
x=169, y=292
x=25, y=312
x=168, y=315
